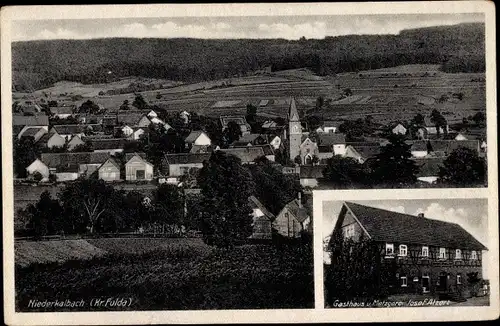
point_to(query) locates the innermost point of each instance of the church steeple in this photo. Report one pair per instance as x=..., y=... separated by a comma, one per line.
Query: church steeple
x=294, y=131
x=293, y=114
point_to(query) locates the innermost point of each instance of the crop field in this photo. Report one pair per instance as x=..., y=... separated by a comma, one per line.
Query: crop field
x=191, y=276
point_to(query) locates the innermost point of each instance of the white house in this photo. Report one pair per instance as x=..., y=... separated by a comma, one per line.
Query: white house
x=275, y=142
x=40, y=167
x=75, y=141
x=328, y=127
x=136, y=135
x=460, y=136
x=399, y=130
x=152, y=114
x=199, y=138
x=138, y=168
x=419, y=149
x=127, y=130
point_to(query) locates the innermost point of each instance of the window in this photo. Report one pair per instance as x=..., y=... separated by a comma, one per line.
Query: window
x=459, y=278
x=404, y=281
x=403, y=250
x=415, y=279
x=458, y=254
x=389, y=249
x=425, y=251
x=442, y=253
x=473, y=255
x=349, y=231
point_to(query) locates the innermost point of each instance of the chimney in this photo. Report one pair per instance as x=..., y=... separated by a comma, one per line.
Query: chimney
x=421, y=215
x=300, y=200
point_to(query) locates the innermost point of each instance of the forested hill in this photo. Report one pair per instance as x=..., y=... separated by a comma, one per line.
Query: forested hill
x=38, y=64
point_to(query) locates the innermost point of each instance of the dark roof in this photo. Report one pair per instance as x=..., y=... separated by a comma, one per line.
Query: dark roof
x=367, y=152
x=331, y=139
x=362, y=143
x=186, y=158
x=268, y=149
x=300, y=212
x=45, y=138
x=446, y=146
x=31, y=132
x=429, y=167
x=387, y=226
x=128, y=156
x=312, y=171
x=255, y=203
x=30, y=120
x=246, y=139
x=191, y=138
x=130, y=119
x=69, y=129
x=57, y=160
x=196, y=149
x=246, y=154
x=112, y=143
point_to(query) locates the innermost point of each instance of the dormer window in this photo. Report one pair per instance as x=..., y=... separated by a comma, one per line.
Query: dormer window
x=425, y=251
x=473, y=255
x=389, y=249
x=403, y=250
x=458, y=254
x=442, y=253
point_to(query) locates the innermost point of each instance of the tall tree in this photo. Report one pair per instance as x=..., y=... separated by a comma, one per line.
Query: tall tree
x=44, y=216
x=225, y=185
x=140, y=103
x=89, y=107
x=344, y=172
x=463, y=167
x=393, y=166
x=25, y=152
x=439, y=121
x=232, y=132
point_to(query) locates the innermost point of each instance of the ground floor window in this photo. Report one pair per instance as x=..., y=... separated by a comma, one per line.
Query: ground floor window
x=404, y=281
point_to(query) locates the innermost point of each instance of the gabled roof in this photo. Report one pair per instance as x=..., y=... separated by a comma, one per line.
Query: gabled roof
x=187, y=158
x=246, y=154
x=255, y=203
x=269, y=124
x=30, y=120
x=191, y=138
x=141, y=156
x=57, y=160
x=31, y=132
x=367, y=152
x=113, y=162
x=45, y=138
x=446, y=146
x=299, y=211
x=69, y=129
x=387, y=226
x=331, y=139
x=130, y=119
x=112, y=143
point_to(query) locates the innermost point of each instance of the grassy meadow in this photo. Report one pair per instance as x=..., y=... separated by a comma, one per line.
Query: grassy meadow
x=169, y=274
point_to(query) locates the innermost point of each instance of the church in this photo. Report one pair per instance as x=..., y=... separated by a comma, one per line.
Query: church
x=302, y=149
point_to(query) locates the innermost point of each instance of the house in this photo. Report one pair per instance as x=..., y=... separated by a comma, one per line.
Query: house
x=129, y=119
x=197, y=138
x=308, y=150
x=362, y=152
x=423, y=255
x=69, y=166
x=269, y=125
x=275, y=142
x=137, y=168
x=75, y=141
x=109, y=170
x=126, y=130
x=36, y=133
x=40, y=167
x=110, y=145
x=196, y=149
x=310, y=175
x=63, y=111
x=429, y=168
x=334, y=141
x=292, y=219
x=68, y=131
x=431, y=129
x=30, y=108
x=52, y=139
x=239, y=120
x=21, y=123
x=328, y=127
x=262, y=220
x=249, y=140
x=247, y=155
x=152, y=114
x=399, y=129
x=437, y=148
x=179, y=164
x=418, y=148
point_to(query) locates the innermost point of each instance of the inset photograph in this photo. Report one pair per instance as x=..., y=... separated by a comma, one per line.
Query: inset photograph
x=405, y=253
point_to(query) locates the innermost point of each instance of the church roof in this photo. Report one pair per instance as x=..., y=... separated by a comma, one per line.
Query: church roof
x=293, y=114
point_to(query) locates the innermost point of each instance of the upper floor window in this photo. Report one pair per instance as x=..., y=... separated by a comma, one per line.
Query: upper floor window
x=425, y=251
x=442, y=253
x=389, y=249
x=458, y=254
x=404, y=281
x=459, y=278
x=403, y=250
x=473, y=255
x=349, y=231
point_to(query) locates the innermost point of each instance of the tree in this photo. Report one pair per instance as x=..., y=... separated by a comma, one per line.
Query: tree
x=225, y=185
x=418, y=120
x=168, y=203
x=463, y=167
x=297, y=160
x=439, y=121
x=393, y=166
x=232, y=133
x=479, y=119
x=140, y=103
x=347, y=92
x=25, y=152
x=344, y=172
x=84, y=202
x=320, y=101
x=125, y=105
x=357, y=271
x=89, y=107
x=44, y=217
x=37, y=176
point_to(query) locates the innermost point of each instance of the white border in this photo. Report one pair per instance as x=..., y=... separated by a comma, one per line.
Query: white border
x=319, y=314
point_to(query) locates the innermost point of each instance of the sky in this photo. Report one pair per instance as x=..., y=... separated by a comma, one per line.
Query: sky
x=287, y=27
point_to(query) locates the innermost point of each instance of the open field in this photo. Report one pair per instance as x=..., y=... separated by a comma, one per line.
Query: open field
x=187, y=277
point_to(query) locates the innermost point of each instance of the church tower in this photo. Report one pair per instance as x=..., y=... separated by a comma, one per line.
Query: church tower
x=294, y=131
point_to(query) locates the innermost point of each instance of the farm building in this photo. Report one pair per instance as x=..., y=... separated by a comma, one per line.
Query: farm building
x=36, y=133
x=262, y=220
x=111, y=146
x=197, y=138
x=73, y=164
x=269, y=125
x=434, y=258
x=179, y=164
x=63, y=111
x=336, y=142
x=38, y=166
x=197, y=149
x=20, y=123
x=131, y=119
x=310, y=175
x=292, y=219
x=75, y=141
x=248, y=155
x=249, y=140
x=109, y=170
x=239, y=120
x=68, y=131
x=399, y=130
x=137, y=168
x=361, y=152
x=52, y=139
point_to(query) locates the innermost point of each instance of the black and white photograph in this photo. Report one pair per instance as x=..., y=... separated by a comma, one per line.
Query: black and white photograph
x=163, y=162
x=406, y=253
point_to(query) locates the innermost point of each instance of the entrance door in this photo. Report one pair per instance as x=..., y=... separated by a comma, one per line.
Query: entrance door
x=140, y=174
x=425, y=284
x=443, y=278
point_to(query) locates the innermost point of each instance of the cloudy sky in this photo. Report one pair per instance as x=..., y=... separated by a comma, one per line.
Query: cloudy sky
x=288, y=27
x=471, y=214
